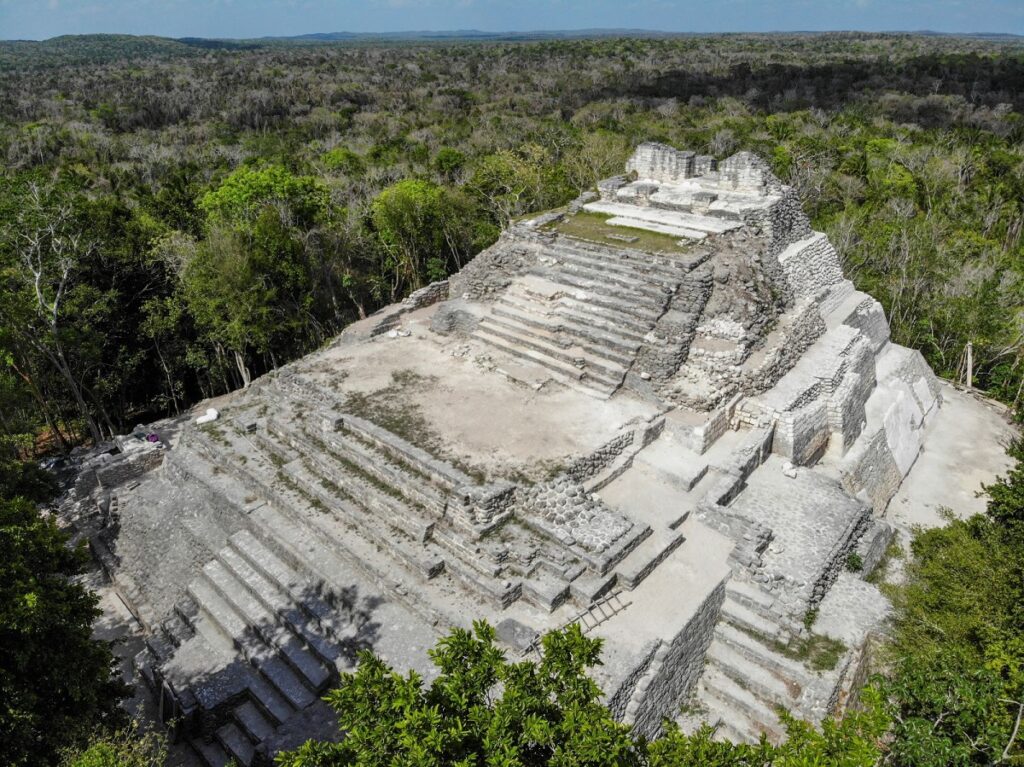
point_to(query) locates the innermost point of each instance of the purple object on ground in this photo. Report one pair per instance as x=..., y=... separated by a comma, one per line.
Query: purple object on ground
x=152, y=438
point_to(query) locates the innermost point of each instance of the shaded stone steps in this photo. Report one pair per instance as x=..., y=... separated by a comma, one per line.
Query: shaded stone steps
x=572, y=355
x=324, y=556
x=270, y=704
x=301, y=590
x=210, y=641
x=608, y=340
x=600, y=349
x=236, y=743
x=263, y=623
x=286, y=520
x=210, y=754
x=220, y=615
x=253, y=722
x=284, y=606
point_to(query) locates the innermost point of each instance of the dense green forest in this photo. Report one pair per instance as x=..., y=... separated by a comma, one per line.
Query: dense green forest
x=175, y=219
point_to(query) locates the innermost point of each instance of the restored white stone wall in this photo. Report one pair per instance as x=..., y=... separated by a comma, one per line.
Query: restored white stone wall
x=811, y=265
x=660, y=162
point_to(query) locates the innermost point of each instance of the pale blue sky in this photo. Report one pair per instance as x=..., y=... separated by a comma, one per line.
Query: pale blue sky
x=39, y=19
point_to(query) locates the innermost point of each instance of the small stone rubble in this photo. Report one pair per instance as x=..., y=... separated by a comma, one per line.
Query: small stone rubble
x=696, y=414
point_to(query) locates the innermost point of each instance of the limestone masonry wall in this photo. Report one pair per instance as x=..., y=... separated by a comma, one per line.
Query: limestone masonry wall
x=661, y=163
x=674, y=669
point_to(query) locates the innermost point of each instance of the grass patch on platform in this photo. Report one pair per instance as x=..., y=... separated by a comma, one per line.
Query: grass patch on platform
x=594, y=227
x=818, y=652
x=393, y=408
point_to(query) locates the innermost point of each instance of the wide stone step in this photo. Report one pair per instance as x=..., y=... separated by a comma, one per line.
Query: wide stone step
x=751, y=596
x=746, y=619
x=607, y=340
x=642, y=560
x=642, y=304
x=530, y=338
x=253, y=722
x=599, y=345
x=395, y=537
x=236, y=744
x=281, y=605
x=330, y=485
x=264, y=624
x=656, y=216
x=269, y=702
x=210, y=754
x=569, y=373
x=622, y=257
x=761, y=654
x=616, y=263
x=731, y=698
x=605, y=316
x=651, y=226
x=624, y=326
x=303, y=590
x=634, y=284
x=768, y=685
x=379, y=468
x=637, y=316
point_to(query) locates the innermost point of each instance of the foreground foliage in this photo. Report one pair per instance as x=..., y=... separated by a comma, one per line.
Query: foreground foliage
x=483, y=709
x=57, y=685
x=957, y=655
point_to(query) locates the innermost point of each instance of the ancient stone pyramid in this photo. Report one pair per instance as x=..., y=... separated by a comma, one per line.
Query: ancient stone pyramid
x=662, y=412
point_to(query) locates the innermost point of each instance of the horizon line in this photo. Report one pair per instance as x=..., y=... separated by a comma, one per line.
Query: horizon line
x=325, y=36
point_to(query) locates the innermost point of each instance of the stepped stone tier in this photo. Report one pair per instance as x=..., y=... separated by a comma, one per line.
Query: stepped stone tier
x=662, y=412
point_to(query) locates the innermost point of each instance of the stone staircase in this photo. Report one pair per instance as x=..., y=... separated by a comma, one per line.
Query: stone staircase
x=269, y=623
x=583, y=312
x=279, y=645
x=746, y=679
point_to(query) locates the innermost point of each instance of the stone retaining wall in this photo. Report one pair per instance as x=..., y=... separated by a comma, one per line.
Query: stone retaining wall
x=493, y=270
x=674, y=669
x=128, y=466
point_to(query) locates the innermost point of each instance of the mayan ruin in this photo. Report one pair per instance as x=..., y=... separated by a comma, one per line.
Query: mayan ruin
x=662, y=412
